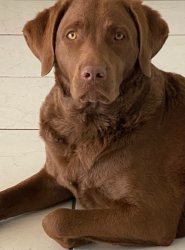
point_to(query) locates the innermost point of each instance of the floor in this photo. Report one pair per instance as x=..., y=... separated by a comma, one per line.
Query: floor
x=21, y=93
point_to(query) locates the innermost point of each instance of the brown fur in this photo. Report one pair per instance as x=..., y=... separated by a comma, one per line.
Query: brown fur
x=113, y=125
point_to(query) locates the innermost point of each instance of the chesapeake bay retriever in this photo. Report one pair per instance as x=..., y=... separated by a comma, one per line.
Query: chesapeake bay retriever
x=113, y=126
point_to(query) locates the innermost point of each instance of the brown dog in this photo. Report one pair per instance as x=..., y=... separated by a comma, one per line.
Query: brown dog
x=113, y=124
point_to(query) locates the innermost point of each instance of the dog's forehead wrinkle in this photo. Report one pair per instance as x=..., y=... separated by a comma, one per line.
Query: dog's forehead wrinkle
x=102, y=9
x=80, y=7
x=103, y=14
x=77, y=15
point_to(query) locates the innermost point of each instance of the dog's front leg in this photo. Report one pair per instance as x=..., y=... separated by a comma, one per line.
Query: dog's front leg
x=71, y=228
x=38, y=192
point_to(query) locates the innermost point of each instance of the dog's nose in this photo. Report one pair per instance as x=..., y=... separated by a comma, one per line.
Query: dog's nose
x=92, y=73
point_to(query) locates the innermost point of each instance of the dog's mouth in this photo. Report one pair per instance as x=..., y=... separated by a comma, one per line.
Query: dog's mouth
x=94, y=93
x=94, y=97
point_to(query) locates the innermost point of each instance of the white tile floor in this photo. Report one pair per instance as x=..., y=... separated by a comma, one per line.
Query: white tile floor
x=21, y=94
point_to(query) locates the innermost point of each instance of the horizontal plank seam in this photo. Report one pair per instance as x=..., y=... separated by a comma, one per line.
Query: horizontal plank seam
x=19, y=129
x=29, y=77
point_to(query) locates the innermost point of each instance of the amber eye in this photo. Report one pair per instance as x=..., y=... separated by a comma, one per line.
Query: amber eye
x=72, y=35
x=119, y=36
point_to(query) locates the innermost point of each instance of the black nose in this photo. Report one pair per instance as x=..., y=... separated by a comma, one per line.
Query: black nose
x=94, y=73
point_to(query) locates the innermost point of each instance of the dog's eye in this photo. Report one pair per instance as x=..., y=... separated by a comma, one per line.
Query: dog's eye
x=119, y=36
x=72, y=35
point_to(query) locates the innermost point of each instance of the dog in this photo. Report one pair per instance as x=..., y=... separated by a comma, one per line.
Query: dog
x=113, y=127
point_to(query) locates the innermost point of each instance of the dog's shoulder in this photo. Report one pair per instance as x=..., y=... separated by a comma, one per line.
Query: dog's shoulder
x=175, y=89
x=174, y=102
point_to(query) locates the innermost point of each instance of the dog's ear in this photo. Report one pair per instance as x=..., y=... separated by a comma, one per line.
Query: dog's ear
x=153, y=32
x=40, y=34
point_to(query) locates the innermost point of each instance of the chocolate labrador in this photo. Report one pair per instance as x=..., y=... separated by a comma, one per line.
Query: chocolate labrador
x=113, y=126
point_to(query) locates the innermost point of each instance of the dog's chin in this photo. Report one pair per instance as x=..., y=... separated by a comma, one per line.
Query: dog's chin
x=94, y=97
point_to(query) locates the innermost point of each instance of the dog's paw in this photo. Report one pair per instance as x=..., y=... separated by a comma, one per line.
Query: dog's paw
x=72, y=243
x=59, y=225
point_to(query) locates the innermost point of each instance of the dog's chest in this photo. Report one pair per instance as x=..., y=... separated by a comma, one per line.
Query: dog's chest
x=97, y=187
x=94, y=174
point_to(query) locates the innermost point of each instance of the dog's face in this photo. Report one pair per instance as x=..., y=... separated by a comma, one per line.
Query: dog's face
x=96, y=44
x=96, y=48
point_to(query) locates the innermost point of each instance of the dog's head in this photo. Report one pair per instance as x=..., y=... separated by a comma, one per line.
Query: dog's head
x=96, y=44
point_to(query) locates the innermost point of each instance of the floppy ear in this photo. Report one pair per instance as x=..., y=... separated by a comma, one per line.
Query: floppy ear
x=40, y=34
x=153, y=32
